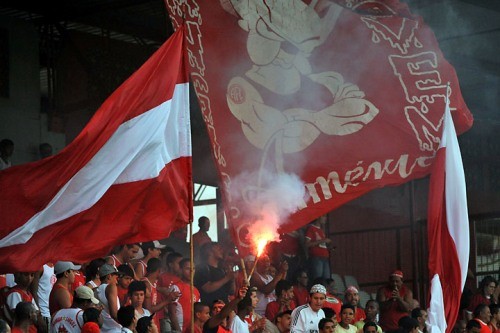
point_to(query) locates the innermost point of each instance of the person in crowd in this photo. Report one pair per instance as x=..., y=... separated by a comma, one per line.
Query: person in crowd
x=316, y=243
x=421, y=316
x=92, y=279
x=181, y=308
x=265, y=283
x=482, y=315
x=125, y=277
x=305, y=318
x=201, y=316
x=326, y=325
x=201, y=237
x=124, y=255
x=164, y=287
x=330, y=313
x=290, y=248
x=346, y=319
x=494, y=323
x=351, y=296
x=127, y=319
x=407, y=324
x=370, y=327
x=4, y=327
x=153, y=302
x=395, y=301
x=473, y=326
x=218, y=322
x=137, y=292
x=6, y=151
x=61, y=296
x=79, y=278
x=107, y=293
x=71, y=320
x=20, y=292
x=460, y=326
x=245, y=307
x=146, y=325
x=91, y=327
x=300, y=291
x=331, y=300
x=485, y=294
x=283, y=321
x=93, y=314
x=25, y=317
x=284, y=302
x=41, y=287
x=150, y=250
x=371, y=312
x=45, y=150
x=213, y=281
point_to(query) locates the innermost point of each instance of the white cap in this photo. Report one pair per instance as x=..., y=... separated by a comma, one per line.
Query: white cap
x=85, y=292
x=318, y=288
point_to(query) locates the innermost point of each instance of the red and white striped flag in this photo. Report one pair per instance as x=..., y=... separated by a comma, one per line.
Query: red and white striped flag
x=448, y=231
x=125, y=178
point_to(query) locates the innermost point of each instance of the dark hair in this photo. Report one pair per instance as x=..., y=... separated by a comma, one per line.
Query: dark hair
x=486, y=281
x=415, y=313
x=369, y=324
x=281, y=286
x=5, y=143
x=23, y=311
x=246, y=301
x=319, y=280
x=184, y=261
x=281, y=314
x=136, y=286
x=329, y=312
x=479, y=309
x=126, y=270
x=126, y=315
x=407, y=323
x=91, y=314
x=323, y=322
x=298, y=273
x=202, y=220
x=199, y=306
x=206, y=249
x=154, y=264
x=473, y=324
x=92, y=268
x=347, y=306
x=3, y=326
x=173, y=256
x=146, y=246
x=494, y=309
x=143, y=324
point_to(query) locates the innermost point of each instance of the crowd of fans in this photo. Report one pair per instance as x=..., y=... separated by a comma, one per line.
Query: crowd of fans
x=147, y=288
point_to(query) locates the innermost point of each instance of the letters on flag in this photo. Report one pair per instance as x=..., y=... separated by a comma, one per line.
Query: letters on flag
x=125, y=178
x=448, y=231
x=346, y=95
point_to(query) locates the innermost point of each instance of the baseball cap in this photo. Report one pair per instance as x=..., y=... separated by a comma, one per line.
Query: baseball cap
x=90, y=327
x=352, y=289
x=397, y=273
x=318, y=288
x=63, y=266
x=107, y=269
x=85, y=292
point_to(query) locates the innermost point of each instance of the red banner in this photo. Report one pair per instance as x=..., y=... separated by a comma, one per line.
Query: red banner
x=348, y=97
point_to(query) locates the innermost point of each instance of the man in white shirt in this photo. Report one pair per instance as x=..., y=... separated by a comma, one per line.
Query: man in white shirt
x=71, y=320
x=305, y=318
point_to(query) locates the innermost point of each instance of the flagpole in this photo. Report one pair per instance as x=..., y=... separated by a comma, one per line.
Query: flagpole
x=191, y=285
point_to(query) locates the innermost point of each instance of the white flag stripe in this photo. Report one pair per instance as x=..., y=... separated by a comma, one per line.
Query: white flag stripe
x=436, y=317
x=457, y=216
x=138, y=150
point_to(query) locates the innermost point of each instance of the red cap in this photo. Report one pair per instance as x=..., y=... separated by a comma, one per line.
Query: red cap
x=397, y=273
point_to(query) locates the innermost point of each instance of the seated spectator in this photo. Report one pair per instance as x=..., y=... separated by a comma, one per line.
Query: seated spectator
x=460, y=326
x=326, y=325
x=71, y=320
x=92, y=314
x=283, y=321
x=218, y=322
x=137, y=292
x=482, y=315
x=305, y=318
x=485, y=294
x=284, y=292
x=346, y=319
x=473, y=326
x=25, y=316
x=245, y=307
x=408, y=324
x=371, y=312
x=494, y=323
x=351, y=297
x=421, y=316
x=330, y=314
x=146, y=325
x=370, y=327
x=331, y=300
x=126, y=318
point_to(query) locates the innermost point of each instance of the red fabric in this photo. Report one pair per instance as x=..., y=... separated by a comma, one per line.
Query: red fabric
x=122, y=295
x=289, y=244
x=484, y=326
x=359, y=315
x=165, y=280
x=3, y=281
x=314, y=233
x=391, y=313
x=79, y=281
x=300, y=295
x=184, y=300
x=448, y=229
x=476, y=300
x=139, y=211
x=272, y=309
x=334, y=303
x=275, y=103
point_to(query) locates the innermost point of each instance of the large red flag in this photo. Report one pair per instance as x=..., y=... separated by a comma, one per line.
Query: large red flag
x=125, y=178
x=448, y=230
x=346, y=96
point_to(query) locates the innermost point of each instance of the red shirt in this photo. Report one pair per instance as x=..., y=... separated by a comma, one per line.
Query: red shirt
x=165, y=280
x=273, y=308
x=122, y=295
x=53, y=306
x=184, y=300
x=390, y=313
x=315, y=233
x=484, y=326
x=289, y=244
x=300, y=295
x=79, y=281
x=359, y=315
x=334, y=303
